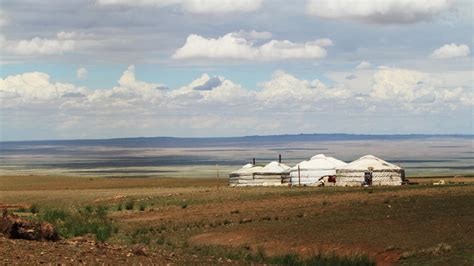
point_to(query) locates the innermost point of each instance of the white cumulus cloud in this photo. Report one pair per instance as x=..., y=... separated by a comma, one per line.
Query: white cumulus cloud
x=35, y=86
x=287, y=90
x=81, y=73
x=215, y=103
x=378, y=11
x=414, y=88
x=42, y=46
x=364, y=65
x=450, y=51
x=232, y=46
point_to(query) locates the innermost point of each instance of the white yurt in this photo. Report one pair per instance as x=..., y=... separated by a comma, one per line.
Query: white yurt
x=314, y=170
x=272, y=174
x=243, y=176
x=383, y=173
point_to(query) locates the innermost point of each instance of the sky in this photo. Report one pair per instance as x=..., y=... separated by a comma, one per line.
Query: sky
x=207, y=68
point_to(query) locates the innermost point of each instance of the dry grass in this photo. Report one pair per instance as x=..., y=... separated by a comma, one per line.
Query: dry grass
x=34, y=182
x=384, y=224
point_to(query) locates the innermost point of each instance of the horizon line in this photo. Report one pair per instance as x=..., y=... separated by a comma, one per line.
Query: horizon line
x=248, y=136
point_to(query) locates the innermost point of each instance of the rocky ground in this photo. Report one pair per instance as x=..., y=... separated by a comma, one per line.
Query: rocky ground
x=85, y=250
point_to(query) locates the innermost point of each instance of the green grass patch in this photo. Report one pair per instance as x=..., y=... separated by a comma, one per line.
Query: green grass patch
x=129, y=204
x=246, y=255
x=142, y=206
x=34, y=209
x=295, y=260
x=78, y=222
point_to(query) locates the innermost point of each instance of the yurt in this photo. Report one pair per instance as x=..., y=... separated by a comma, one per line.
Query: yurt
x=369, y=168
x=272, y=174
x=313, y=171
x=244, y=176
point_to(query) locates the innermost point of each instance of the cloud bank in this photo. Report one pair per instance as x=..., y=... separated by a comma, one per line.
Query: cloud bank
x=452, y=50
x=192, y=6
x=221, y=105
x=234, y=46
x=377, y=11
x=62, y=43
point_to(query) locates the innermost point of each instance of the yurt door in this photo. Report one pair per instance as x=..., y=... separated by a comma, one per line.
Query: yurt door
x=368, y=178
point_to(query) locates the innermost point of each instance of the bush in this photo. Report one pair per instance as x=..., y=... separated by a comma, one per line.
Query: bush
x=34, y=209
x=129, y=205
x=119, y=207
x=184, y=205
x=142, y=206
x=80, y=222
x=21, y=209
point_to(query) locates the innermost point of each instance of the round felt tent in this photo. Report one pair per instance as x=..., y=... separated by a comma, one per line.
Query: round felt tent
x=272, y=174
x=312, y=171
x=382, y=173
x=243, y=176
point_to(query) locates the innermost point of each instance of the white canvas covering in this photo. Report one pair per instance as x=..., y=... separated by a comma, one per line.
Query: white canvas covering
x=313, y=170
x=383, y=173
x=272, y=174
x=244, y=176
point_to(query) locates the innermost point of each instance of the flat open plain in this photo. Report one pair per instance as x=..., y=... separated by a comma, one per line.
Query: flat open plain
x=204, y=220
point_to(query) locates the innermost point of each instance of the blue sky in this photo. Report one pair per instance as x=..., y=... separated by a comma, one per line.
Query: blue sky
x=122, y=68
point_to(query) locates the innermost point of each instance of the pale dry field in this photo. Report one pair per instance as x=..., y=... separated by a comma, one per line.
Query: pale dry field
x=205, y=217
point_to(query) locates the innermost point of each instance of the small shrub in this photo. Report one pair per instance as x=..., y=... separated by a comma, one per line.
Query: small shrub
x=184, y=205
x=102, y=210
x=34, y=209
x=119, y=207
x=261, y=255
x=88, y=209
x=21, y=209
x=142, y=206
x=129, y=204
x=160, y=240
x=54, y=216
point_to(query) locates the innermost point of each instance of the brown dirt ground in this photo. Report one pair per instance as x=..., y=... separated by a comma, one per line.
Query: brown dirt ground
x=286, y=208
x=84, y=250
x=275, y=219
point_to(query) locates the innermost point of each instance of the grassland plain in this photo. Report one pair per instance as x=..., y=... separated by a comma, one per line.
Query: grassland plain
x=203, y=219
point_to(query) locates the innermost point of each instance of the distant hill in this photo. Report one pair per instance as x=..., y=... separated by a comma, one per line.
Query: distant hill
x=230, y=141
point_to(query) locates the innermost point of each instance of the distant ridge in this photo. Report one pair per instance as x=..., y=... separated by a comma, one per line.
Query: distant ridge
x=231, y=141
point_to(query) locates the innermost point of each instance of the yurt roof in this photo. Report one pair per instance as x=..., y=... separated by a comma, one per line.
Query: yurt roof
x=336, y=162
x=370, y=161
x=320, y=161
x=274, y=167
x=248, y=168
